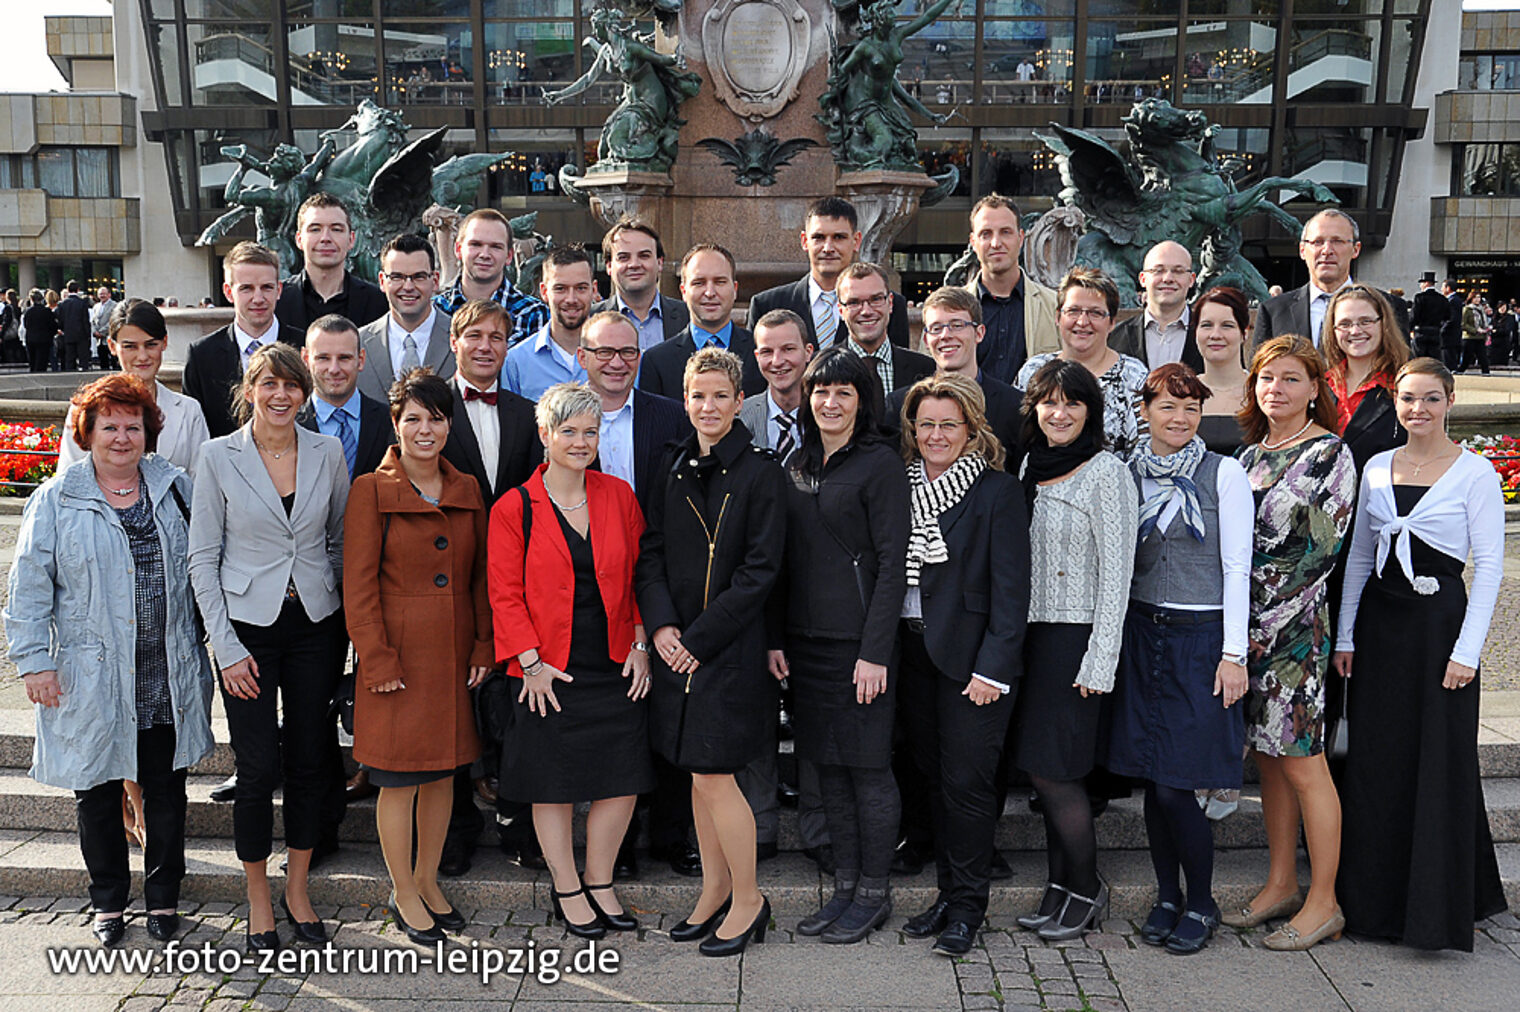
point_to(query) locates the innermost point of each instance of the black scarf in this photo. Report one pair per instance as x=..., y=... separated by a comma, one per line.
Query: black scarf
x=1044, y=462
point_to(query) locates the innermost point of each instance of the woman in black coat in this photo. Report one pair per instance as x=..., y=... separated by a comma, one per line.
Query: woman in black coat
x=41, y=328
x=707, y=562
x=962, y=636
x=847, y=539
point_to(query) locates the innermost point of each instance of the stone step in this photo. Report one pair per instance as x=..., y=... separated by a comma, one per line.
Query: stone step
x=26, y=805
x=48, y=864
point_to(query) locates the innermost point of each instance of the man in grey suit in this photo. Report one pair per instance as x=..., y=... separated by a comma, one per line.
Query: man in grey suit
x=1159, y=335
x=635, y=261
x=414, y=332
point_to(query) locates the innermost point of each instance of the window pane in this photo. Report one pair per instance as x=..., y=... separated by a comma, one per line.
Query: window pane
x=1482, y=169
x=93, y=166
x=1334, y=157
x=939, y=62
x=230, y=10
x=55, y=171
x=425, y=9
x=1228, y=62
x=231, y=65
x=523, y=59
x=331, y=64
x=1333, y=61
x=164, y=39
x=216, y=168
x=1235, y=7
x=532, y=9
x=1127, y=61
x=429, y=64
x=1029, y=8
x=1026, y=61
x=537, y=156
x=1245, y=151
x=939, y=153
x=345, y=10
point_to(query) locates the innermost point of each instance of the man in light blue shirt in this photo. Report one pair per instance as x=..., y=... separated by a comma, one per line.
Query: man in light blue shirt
x=549, y=356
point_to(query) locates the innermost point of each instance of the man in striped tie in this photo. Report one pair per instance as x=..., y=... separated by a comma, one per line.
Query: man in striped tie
x=831, y=239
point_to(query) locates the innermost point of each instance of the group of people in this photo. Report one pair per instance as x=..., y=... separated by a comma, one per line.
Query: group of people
x=1052, y=545
x=66, y=332
x=1463, y=329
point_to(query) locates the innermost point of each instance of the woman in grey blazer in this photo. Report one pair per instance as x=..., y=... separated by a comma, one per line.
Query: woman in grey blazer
x=266, y=558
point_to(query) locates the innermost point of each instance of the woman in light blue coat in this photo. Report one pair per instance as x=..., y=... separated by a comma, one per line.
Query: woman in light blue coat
x=101, y=624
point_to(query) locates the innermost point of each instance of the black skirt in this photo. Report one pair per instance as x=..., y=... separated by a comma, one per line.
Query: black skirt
x=597, y=745
x=1417, y=854
x=1056, y=730
x=828, y=724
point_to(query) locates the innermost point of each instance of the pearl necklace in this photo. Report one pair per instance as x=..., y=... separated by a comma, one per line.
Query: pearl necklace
x=124, y=491
x=1284, y=442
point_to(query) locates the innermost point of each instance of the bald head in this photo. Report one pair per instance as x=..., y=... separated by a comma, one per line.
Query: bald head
x=1166, y=278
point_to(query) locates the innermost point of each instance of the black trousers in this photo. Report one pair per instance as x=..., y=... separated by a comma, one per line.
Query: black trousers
x=38, y=355
x=103, y=840
x=1475, y=352
x=1451, y=350
x=77, y=356
x=957, y=747
x=299, y=663
x=1427, y=345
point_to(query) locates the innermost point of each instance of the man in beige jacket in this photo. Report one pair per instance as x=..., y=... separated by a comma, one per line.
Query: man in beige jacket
x=1018, y=312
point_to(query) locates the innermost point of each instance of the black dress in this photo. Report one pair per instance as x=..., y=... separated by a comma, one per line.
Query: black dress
x=1417, y=855
x=597, y=745
x=1221, y=434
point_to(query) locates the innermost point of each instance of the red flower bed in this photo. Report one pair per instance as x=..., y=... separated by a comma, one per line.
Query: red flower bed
x=1504, y=453
x=34, y=467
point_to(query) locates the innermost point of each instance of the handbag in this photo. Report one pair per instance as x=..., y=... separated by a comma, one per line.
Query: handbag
x=1339, y=738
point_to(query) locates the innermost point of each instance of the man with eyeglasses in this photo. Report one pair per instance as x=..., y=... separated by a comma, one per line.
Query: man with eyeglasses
x=865, y=302
x=413, y=332
x=831, y=239
x=708, y=286
x=324, y=285
x=1018, y=312
x=550, y=356
x=1329, y=244
x=1159, y=335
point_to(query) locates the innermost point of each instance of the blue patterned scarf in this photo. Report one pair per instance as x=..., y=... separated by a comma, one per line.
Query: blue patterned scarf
x=1174, y=473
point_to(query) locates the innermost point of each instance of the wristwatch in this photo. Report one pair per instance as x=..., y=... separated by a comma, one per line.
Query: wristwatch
x=1234, y=659
x=641, y=645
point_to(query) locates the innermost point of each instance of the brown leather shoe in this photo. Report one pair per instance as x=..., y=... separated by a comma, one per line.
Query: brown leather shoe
x=359, y=787
x=485, y=789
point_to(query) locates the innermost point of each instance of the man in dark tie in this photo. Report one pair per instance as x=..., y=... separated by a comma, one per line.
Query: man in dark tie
x=865, y=301
x=414, y=332
x=494, y=437
x=635, y=261
x=214, y=363
x=637, y=430
x=782, y=351
x=324, y=285
x=1159, y=335
x=831, y=239
x=708, y=286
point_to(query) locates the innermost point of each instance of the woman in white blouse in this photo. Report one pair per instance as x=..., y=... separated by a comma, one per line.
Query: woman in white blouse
x=138, y=337
x=1176, y=723
x=1418, y=861
x=1082, y=521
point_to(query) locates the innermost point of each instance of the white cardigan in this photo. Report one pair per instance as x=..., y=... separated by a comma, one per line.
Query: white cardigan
x=1462, y=513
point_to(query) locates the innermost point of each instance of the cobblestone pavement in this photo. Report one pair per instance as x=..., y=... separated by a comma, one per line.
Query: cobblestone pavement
x=1009, y=970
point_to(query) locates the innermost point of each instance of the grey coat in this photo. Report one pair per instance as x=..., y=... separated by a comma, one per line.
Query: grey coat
x=244, y=550
x=72, y=610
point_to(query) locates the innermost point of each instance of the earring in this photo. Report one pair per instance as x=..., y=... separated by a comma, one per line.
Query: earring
x=1311, y=404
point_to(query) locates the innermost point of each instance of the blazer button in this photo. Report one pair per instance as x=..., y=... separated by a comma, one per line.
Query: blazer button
x=441, y=542
x=440, y=580
x=1060, y=572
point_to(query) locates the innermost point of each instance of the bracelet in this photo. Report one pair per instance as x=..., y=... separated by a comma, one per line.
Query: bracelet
x=535, y=669
x=641, y=646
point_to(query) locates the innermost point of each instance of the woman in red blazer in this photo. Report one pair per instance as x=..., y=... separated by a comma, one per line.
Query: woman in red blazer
x=561, y=587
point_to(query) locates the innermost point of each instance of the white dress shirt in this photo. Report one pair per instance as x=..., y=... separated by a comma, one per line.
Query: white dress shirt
x=817, y=304
x=242, y=337
x=615, y=447
x=1319, y=303
x=486, y=425
x=1164, y=344
x=396, y=334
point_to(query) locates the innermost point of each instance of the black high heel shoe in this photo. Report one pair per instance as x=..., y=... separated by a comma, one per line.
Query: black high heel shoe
x=311, y=932
x=716, y=946
x=616, y=922
x=451, y=921
x=109, y=930
x=430, y=935
x=591, y=929
x=689, y=932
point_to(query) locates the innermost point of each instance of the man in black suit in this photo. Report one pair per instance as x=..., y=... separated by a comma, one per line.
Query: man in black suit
x=952, y=330
x=635, y=260
x=865, y=300
x=73, y=314
x=493, y=437
x=1329, y=244
x=1428, y=318
x=831, y=239
x=1160, y=333
x=214, y=363
x=637, y=430
x=708, y=287
x=334, y=355
x=325, y=237
x=1451, y=329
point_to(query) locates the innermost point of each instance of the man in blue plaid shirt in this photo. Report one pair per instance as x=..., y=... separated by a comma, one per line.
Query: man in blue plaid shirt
x=484, y=248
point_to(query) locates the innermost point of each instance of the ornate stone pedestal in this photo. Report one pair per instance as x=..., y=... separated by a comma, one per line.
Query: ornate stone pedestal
x=614, y=194
x=886, y=201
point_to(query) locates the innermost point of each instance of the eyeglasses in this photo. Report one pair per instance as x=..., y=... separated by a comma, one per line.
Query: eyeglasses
x=401, y=279
x=875, y=302
x=1336, y=243
x=928, y=427
x=1176, y=272
x=628, y=354
x=952, y=327
x=1076, y=313
x=1363, y=323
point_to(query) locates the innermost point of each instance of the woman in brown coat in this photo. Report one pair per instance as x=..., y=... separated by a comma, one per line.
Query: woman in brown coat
x=417, y=569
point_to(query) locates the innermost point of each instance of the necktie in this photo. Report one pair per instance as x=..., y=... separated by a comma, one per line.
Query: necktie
x=409, y=359
x=786, y=443
x=471, y=394
x=349, y=440
x=253, y=346
x=826, y=318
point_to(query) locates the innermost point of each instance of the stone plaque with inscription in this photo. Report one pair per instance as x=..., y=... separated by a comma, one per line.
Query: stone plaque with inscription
x=756, y=52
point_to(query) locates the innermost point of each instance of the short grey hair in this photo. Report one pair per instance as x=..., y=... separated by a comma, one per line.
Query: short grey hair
x=1333, y=212
x=564, y=401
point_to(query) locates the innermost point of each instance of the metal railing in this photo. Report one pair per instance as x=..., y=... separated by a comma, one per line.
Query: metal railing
x=30, y=486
